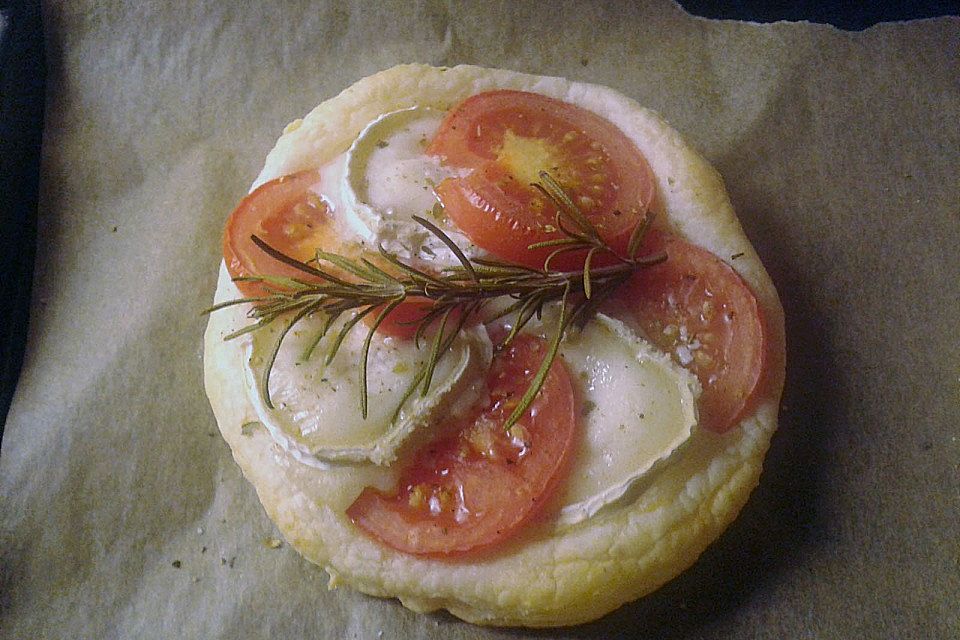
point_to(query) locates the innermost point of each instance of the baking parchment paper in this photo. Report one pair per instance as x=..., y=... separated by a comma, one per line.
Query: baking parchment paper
x=122, y=514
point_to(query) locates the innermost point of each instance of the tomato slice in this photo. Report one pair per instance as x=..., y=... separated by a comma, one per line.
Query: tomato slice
x=478, y=484
x=289, y=216
x=507, y=138
x=696, y=308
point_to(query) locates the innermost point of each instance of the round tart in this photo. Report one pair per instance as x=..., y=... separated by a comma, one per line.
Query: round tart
x=590, y=547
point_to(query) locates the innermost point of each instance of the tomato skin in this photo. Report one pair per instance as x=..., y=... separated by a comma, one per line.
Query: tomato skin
x=477, y=484
x=402, y=322
x=286, y=214
x=507, y=138
x=697, y=308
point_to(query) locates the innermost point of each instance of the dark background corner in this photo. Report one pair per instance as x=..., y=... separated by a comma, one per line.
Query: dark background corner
x=850, y=16
x=22, y=82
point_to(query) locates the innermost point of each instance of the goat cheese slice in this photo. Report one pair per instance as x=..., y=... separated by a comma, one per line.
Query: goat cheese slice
x=639, y=410
x=316, y=406
x=388, y=178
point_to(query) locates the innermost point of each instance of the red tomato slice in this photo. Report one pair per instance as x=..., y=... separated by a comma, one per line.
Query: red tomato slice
x=288, y=216
x=696, y=308
x=508, y=137
x=478, y=484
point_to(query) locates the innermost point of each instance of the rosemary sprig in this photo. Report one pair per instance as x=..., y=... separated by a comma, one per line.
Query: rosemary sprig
x=359, y=287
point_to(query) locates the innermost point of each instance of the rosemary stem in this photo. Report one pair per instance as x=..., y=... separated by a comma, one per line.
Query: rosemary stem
x=339, y=285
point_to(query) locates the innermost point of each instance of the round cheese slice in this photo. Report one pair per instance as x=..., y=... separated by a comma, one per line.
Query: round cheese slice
x=389, y=179
x=313, y=408
x=557, y=572
x=639, y=411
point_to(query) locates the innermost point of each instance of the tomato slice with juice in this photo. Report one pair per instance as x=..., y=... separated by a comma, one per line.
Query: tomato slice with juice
x=508, y=138
x=477, y=484
x=697, y=308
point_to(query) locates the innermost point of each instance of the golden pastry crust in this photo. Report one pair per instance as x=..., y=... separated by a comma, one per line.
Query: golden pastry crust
x=550, y=576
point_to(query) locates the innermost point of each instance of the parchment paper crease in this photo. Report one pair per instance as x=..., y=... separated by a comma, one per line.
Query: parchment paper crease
x=122, y=514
